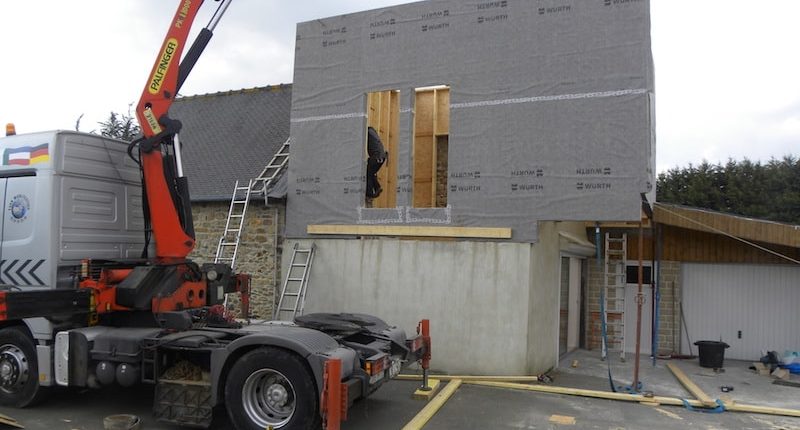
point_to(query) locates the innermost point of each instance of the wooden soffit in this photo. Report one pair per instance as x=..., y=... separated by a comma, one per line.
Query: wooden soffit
x=734, y=225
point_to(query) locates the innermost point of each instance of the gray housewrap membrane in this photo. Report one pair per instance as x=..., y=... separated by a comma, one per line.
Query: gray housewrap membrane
x=551, y=111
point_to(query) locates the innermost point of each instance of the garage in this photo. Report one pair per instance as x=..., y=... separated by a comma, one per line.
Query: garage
x=718, y=277
x=752, y=308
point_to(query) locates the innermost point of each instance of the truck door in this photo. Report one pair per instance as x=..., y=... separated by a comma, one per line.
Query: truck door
x=24, y=250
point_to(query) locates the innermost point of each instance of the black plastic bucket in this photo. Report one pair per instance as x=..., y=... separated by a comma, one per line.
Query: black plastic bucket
x=712, y=353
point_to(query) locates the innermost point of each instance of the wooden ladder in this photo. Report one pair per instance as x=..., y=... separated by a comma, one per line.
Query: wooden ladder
x=614, y=280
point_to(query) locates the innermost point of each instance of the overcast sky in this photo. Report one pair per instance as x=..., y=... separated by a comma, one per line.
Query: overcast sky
x=727, y=71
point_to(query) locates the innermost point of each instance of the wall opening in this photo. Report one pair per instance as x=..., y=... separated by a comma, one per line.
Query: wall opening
x=431, y=141
x=383, y=116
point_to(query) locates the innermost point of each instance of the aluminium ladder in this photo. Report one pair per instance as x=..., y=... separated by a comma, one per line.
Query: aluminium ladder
x=614, y=280
x=263, y=182
x=228, y=245
x=293, y=292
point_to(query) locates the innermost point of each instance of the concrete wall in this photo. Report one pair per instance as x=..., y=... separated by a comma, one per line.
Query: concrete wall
x=259, y=249
x=543, y=302
x=493, y=306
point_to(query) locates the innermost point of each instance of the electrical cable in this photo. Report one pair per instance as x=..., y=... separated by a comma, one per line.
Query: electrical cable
x=716, y=230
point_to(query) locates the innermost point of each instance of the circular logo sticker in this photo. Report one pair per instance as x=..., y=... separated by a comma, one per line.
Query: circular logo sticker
x=19, y=207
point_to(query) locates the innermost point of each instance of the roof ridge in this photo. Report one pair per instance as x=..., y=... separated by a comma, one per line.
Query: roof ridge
x=272, y=88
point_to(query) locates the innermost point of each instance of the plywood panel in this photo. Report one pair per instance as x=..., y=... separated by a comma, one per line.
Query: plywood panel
x=423, y=113
x=424, y=155
x=423, y=169
x=443, y=111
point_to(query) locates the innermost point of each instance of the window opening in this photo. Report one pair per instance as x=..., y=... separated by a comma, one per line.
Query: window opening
x=383, y=123
x=431, y=141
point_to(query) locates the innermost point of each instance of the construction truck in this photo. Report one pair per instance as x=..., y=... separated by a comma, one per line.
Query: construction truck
x=96, y=287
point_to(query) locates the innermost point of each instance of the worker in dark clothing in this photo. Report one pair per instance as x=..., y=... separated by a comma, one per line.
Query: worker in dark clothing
x=377, y=156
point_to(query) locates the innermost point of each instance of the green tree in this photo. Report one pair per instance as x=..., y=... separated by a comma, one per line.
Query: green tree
x=769, y=191
x=120, y=126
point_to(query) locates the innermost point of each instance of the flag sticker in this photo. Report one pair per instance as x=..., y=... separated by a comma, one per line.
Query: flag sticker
x=26, y=155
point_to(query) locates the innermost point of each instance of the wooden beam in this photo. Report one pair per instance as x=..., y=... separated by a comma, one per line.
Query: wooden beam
x=421, y=394
x=433, y=406
x=409, y=230
x=466, y=378
x=730, y=406
x=691, y=387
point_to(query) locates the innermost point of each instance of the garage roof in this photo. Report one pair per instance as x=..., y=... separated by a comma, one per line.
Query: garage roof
x=721, y=223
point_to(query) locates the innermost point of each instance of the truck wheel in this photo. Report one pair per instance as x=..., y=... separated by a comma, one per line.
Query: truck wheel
x=19, y=369
x=271, y=388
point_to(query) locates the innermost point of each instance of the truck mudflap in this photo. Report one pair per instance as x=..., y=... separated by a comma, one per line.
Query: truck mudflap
x=337, y=394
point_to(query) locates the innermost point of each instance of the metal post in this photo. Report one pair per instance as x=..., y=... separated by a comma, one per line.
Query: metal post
x=639, y=302
x=424, y=328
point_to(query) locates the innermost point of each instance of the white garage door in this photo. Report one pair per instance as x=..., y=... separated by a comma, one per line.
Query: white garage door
x=752, y=308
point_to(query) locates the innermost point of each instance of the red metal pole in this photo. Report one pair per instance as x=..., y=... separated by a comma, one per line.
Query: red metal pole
x=424, y=329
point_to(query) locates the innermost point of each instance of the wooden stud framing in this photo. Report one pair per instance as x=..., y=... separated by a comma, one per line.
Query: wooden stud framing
x=383, y=114
x=431, y=121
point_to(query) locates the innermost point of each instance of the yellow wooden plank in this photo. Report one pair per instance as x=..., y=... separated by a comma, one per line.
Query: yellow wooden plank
x=5, y=419
x=562, y=419
x=690, y=386
x=672, y=401
x=421, y=231
x=433, y=406
x=421, y=394
x=470, y=378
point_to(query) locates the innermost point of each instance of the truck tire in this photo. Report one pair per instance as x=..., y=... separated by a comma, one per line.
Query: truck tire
x=272, y=387
x=19, y=369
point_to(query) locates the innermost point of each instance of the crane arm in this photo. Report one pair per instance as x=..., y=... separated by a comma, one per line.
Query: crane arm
x=167, y=204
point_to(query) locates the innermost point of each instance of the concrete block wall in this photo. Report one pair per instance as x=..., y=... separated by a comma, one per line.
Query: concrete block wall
x=669, y=331
x=259, y=251
x=594, y=285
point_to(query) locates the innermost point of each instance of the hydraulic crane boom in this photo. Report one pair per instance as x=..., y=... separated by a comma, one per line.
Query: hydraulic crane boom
x=167, y=207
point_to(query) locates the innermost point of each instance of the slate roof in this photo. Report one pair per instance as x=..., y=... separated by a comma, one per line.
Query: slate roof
x=231, y=135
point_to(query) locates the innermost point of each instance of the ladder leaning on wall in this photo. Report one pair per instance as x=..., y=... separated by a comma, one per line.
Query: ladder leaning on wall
x=264, y=181
x=293, y=292
x=228, y=245
x=613, y=299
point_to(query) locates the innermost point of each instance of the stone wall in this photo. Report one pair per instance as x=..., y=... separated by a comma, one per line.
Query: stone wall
x=259, y=249
x=669, y=330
